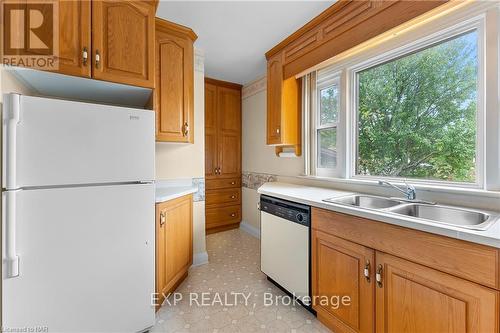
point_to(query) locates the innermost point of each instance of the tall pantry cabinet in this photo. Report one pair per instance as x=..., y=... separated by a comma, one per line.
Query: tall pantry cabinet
x=222, y=155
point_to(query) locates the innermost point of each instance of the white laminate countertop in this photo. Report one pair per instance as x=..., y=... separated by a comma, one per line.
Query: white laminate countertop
x=314, y=196
x=169, y=193
x=166, y=190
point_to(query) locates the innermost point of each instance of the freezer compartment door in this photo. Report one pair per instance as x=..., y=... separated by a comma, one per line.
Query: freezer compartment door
x=50, y=142
x=86, y=260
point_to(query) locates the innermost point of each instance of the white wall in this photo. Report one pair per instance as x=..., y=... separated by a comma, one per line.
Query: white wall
x=256, y=155
x=182, y=160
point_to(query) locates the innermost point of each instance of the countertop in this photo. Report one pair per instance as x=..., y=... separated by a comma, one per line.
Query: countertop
x=314, y=196
x=172, y=189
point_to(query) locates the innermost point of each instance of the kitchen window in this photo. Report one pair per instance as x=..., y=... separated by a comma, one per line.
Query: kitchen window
x=416, y=115
x=325, y=123
x=415, y=110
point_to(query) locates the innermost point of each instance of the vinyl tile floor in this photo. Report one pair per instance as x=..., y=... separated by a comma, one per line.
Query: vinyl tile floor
x=231, y=294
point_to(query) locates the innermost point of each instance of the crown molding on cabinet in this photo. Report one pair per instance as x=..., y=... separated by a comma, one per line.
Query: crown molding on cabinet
x=174, y=28
x=254, y=87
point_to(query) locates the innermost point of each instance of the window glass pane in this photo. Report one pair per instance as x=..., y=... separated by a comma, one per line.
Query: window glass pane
x=417, y=114
x=327, y=148
x=328, y=105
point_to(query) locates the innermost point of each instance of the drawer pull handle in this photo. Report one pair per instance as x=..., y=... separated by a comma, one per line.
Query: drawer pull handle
x=366, y=271
x=378, y=276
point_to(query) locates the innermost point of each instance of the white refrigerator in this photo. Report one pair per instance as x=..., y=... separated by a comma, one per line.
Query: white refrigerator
x=77, y=216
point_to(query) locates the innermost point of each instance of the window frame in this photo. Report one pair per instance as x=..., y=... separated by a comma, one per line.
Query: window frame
x=319, y=82
x=420, y=44
x=483, y=17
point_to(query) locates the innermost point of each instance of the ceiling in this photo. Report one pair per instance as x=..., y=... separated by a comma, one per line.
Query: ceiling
x=235, y=34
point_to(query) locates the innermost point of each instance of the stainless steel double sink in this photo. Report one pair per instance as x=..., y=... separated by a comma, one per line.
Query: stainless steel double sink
x=450, y=215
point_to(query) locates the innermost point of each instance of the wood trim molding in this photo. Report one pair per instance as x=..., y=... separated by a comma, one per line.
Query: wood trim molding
x=343, y=25
x=254, y=87
x=174, y=28
x=221, y=83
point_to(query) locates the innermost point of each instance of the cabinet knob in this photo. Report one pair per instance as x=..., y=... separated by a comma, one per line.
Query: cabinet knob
x=233, y=214
x=233, y=197
x=233, y=182
x=85, y=56
x=278, y=131
x=97, y=59
x=378, y=276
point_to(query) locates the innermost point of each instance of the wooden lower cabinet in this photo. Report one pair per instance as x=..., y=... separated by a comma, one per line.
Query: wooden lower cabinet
x=391, y=294
x=414, y=298
x=174, y=243
x=338, y=271
x=222, y=218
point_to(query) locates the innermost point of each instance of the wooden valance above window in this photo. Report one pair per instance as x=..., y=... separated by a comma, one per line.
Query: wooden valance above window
x=342, y=26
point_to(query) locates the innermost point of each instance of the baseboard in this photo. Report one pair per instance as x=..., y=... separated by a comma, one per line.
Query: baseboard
x=200, y=259
x=248, y=228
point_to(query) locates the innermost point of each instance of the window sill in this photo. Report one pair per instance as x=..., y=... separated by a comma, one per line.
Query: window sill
x=420, y=187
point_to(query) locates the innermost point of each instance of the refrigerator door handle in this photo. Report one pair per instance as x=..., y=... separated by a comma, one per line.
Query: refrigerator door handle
x=11, y=259
x=11, y=118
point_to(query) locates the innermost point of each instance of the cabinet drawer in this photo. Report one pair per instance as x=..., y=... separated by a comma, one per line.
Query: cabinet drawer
x=220, y=216
x=213, y=184
x=223, y=196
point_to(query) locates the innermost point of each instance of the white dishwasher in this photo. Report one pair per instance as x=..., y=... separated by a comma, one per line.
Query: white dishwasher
x=284, y=245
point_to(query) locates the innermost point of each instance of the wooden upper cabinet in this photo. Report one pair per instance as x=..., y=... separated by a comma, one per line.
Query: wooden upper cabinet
x=338, y=270
x=123, y=41
x=174, y=86
x=283, y=106
x=415, y=298
x=343, y=25
x=74, y=38
x=211, y=157
x=274, y=87
x=229, y=131
x=222, y=129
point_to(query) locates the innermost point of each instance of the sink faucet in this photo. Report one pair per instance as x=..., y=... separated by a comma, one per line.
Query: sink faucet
x=410, y=193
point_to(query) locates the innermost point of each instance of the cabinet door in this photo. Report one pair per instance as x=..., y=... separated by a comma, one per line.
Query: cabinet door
x=123, y=41
x=338, y=270
x=274, y=91
x=74, y=37
x=229, y=131
x=211, y=157
x=179, y=241
x=174, y=243
x=414, y=298
x=174, y=87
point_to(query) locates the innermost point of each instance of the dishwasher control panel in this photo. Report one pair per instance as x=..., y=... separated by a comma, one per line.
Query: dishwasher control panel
x=288, y=210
